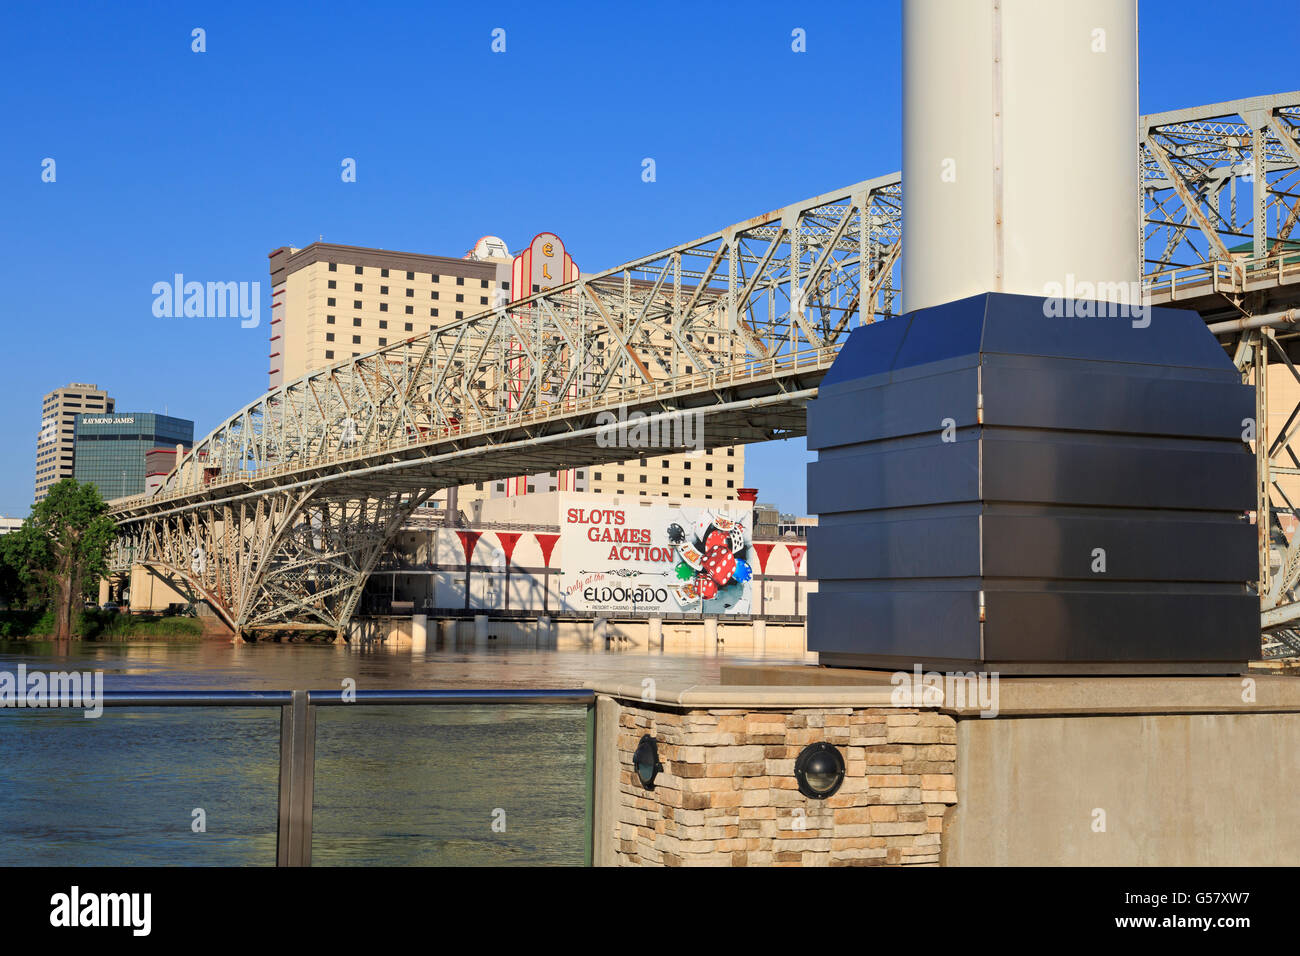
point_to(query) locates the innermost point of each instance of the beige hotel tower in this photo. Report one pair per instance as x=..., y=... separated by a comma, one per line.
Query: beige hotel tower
x=330, y=303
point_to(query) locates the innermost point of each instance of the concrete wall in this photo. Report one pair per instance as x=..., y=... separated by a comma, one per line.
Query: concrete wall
x=1127, y=790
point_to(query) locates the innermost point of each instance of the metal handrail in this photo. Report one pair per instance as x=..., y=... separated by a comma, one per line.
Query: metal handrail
x=731, y=373
x=298, y=738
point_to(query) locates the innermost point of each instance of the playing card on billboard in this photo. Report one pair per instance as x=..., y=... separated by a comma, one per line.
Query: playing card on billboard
x=623, y=556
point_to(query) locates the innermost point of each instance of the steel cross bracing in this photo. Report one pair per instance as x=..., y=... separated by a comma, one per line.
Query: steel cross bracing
x=1220, y=188
x=295, y=493
x=276, y=517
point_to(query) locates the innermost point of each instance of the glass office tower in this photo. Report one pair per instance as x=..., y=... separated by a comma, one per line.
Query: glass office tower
x=111, y=449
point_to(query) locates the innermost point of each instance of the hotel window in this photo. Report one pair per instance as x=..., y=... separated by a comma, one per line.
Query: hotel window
x=357, y=322
x=410, y=276
x=434, y=277
x=383, y=323
x=708, y=482
x=329, y=320
x=410, y=310
x=356, y=340
x=484, y=283
x=686, y=481
x=460, y=280
x=435, y=294
x=383, y=289
x=331, y=284
x=460, y=297
x=663, y=480
x=643, y=479
x=505, y=285
x=329, y=336
x=334, y=267
x=410, y=327
x=410, y=293
x=460, y=315
x=731, y=484
x=620, y=476
x=433, y=313
x=329, y=353
x=383, y=341
x=329, y=301
x=482, y=300
x=383, y=306
x=596, y=476
x=356, y=287
x=356, y=304
x=359, y=270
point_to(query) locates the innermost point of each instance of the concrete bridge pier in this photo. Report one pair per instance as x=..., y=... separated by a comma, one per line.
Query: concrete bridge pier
x=419, y=633
x=656, y=638
x=711, y=633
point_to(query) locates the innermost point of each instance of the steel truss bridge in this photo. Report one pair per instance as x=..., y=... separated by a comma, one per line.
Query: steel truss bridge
x=278, y=516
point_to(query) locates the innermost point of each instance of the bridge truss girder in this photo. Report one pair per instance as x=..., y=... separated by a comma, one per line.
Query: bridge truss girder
x=294, y=560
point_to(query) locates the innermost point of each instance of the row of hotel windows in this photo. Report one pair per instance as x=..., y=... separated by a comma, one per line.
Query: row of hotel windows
x=708, y=482
x=359, y=270
x=410, y=309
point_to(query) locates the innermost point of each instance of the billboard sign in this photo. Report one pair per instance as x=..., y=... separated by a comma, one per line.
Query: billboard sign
x=656, y=559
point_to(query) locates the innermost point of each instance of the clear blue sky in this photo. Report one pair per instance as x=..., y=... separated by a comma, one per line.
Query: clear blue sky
x=200, y=163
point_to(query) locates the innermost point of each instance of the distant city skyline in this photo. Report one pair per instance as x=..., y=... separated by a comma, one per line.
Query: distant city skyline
x=133, y=158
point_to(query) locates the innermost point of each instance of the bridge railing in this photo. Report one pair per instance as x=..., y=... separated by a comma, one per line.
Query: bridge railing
x=297, y=739
x=724, y=376
x=1231, y=276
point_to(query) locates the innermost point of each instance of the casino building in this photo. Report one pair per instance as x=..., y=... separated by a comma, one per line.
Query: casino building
x=333, y=302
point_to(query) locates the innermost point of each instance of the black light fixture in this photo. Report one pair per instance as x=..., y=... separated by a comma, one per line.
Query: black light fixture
x=646, y=762
x=819, y=769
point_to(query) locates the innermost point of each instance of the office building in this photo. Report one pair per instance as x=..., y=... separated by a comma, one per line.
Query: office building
x=111, y=450
x=55, y=449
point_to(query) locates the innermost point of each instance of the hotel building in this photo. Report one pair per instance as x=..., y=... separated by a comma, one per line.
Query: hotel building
x=330, y=303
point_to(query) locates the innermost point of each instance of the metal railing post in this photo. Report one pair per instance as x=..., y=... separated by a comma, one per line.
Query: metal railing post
x=297, y=769
x=589, y=821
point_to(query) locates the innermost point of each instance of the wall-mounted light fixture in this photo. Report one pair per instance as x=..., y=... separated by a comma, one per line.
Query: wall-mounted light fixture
x=819, y=769
x=645, y=761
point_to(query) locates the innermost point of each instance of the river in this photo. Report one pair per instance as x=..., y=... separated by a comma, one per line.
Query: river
x=464, y=785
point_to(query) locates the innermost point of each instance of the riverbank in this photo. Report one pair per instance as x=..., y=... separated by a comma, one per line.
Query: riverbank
x=101, y=626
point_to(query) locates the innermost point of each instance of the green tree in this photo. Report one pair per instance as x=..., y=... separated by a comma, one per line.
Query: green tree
x=62, y=547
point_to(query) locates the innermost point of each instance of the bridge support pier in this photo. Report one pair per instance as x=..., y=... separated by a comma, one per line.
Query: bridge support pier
x=711, y=633
x=656, y=638
x=419, y=633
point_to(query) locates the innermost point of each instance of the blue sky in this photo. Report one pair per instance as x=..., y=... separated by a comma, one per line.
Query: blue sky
x=174, y=161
